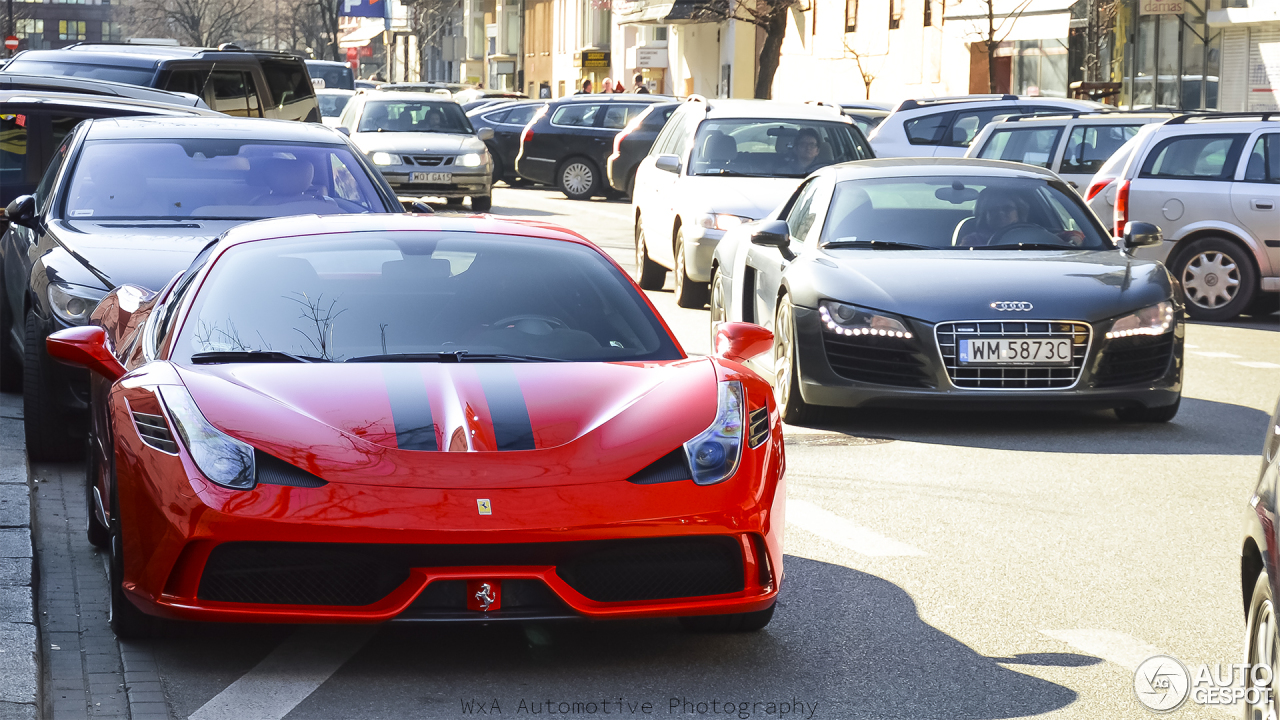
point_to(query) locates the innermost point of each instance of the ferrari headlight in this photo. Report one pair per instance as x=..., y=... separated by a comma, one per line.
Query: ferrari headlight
x=720, y=221
x=1154, y=320
x=471, y=159
x=74, y=303
x=844, y=319
x=381, y=158
x=223, y=459
x=715, y=453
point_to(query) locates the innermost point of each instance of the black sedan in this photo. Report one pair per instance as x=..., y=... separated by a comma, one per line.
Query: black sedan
x=568, y=144
x=132, y=201
x=918, y=282
x=632, y=144
x=507, y=121
x=1258, y=577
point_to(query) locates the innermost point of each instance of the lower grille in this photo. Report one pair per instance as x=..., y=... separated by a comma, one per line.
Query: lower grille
x=663, y=570
x=1013, y=377
x=1134, y=360
x=428, y=160
x=879, y=360
x=296, y=574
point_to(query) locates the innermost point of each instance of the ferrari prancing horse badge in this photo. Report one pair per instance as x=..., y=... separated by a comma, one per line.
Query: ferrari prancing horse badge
x=484, y=507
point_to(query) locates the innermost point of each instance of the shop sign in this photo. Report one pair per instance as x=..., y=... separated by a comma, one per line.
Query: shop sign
x=591, y=59
x=1162, y=7
x=651, y=57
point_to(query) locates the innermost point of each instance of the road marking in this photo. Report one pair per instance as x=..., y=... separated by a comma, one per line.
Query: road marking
x=840, y=531
x=1211, y=354
x=294, y=670
x=1256, y=364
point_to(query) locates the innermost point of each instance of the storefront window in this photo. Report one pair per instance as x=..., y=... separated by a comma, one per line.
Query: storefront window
x=1040, y=68
x=1174, y=63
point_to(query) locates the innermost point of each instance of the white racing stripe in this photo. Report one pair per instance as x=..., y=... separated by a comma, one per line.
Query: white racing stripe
x=832, y=527
x=294, y=670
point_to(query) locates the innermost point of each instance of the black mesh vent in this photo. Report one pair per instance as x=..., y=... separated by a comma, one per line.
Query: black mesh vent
x=154, y=431
x=879, y=360
x=1134, y=360
x=297, y=574
x=271, y=470
x=657, y=570
x=672, y=467
x=759, y=429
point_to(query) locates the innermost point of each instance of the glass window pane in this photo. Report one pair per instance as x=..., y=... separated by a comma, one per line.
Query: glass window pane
x=928, y=130
x=1089, y=147
x=13, y=150
x=1201, y=157
x=1029, y=146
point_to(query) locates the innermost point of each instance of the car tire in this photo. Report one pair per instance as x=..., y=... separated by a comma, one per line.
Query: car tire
x=717, y=303
x=738, y=622
x=578, y=178
x=1261, y=638
x=43, y=422
x=786, y=370
x=1264, y=303
x=498, y=172
x=648, y=274
x=1144, y=414
x=631, y=184
x=10, y=361
x=482, y=204
x=689, y=294
x=126, y=620
x=1217, y=278
x=98, y=534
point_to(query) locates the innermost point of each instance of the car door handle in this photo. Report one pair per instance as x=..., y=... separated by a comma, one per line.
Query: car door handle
x=1262, y=204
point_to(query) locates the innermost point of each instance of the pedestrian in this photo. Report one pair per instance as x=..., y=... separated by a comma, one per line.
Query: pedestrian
x=640, y=87
x=586, y=87
x=606, y=86
x=618, y=88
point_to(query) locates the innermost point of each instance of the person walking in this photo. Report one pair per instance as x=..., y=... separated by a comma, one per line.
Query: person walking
x=640, y=88
x=586, y=87
x=606, y=86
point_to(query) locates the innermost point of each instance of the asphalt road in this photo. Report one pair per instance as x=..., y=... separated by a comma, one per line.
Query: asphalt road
x=939, y=565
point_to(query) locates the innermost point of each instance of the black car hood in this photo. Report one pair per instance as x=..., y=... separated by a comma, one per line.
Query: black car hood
x=136, y=252
x=960, y=285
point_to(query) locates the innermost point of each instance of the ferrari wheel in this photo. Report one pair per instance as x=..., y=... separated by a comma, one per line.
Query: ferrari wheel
x=786, y=381
x=1261, y=649
x=719, y=312
x=1148, y=414
x=689, y=294
x=740, y=622
x=43, y=422
x=99, y=535
x=648, y=274
x=126, y=620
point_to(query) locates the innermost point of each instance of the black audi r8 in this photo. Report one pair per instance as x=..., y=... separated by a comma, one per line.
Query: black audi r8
x=915, y=282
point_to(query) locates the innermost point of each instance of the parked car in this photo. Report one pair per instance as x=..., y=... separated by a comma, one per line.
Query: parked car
x=434, y=88
x=332, y=103
x=951, y=282
x=366, y=85
x=88, y=86
x=597, y=471
x=1213, y=183
x=568, y=144
x=507, y=122
x=717, y=164
x=944, y=127
x=132, y=200
x=33, y=125
x=1101, y=191
x=866, y=114
x=466, y=95
x=1259, y=589
x=493, y=102
x=632, y=145
x=232, y=81
x=1075, y=146
x=423, y=144
x=335, y=75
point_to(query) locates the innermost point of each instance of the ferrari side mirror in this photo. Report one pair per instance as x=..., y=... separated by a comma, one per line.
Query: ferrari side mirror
x=22, y=211
x=85, y=347
x=740, y=341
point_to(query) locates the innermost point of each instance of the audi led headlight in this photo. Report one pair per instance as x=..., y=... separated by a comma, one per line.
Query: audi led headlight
x=720, y=221
x=1154, y=320
x=74, y=303
x=848, y=320
x=715, y=453
x=472, y=159
x=223, y=459
x=381, y=158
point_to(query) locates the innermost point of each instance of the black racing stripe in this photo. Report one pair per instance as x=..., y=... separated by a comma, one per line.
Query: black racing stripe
x=511, y=427
x=410, y=407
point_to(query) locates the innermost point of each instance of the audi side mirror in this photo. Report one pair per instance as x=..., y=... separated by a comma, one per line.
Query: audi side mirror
x=774, y=234
x=485, y=134
x=1141, y=234
x=85, y=347
x=669, y=163
x=741, y=341
x=22, y=211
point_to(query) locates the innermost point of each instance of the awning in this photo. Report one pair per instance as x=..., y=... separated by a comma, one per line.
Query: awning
x=361, y=36
x=661, y=12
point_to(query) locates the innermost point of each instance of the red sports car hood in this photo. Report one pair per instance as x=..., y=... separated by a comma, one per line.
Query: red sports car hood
x=451, y=425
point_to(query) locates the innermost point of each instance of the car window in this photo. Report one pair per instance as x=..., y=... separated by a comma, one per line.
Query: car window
x=13, y=149
x=665, y=140
x=772, y=148
x=1089, y=146
x=1263, y=164
x=131, y=76
x=1031, y=146
x=334, y=76
x=231, y=92
x=576, y=115
x=414, y=116
x=1194, y=157
x=45, y=189
x=169, y=311
x=332, y=105
x=968, y=123
x=801, y=216
x=616, y=117
x=496, y=117
x=658, y=117
x=187, y=80
x=288, y=81
x=521, y=114
x=928, y=130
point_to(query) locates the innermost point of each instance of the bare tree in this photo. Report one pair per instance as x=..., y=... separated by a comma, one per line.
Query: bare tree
x=1100, y=21
x=865, y=68
x=205, y=23
x=429, y=20
x=994, y=30
x=769, y=15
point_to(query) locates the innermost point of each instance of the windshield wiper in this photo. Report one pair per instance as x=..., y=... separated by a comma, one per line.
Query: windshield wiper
x=879, y=244
x=232, y=356
x=457, y=356
x=727, y=173
x=1026, y=246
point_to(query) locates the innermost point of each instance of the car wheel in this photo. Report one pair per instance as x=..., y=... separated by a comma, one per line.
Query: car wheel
x=719, y=312
x=1144, y=414
x=786, y=370
x=497, y=168
x=10, y=362
x=648, y=274
x=99, y=535
x=631, y=184
x=689, y=294
x=482, y=204
x=43, y=422
x=1264, y=303
x=1217, y=279
x=126, y=620
x=578, y=179
x=738, y=622
x=1261, y=643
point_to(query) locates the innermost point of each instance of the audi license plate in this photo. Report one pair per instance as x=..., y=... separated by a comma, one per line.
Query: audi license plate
x=999, y=351
x=430, y=177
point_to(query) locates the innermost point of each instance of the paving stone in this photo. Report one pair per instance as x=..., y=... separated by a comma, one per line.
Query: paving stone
x=15, y=711
x=15, y=506
x=136, y=709
x=15, y=543
x=15, y=571
x=18, y=663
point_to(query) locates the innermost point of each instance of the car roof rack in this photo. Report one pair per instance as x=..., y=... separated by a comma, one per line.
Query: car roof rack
x=1264, y=115
x=928, y=102
x=1087, y=113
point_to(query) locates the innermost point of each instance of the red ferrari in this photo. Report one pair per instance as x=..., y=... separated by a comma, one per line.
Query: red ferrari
x=418, y=418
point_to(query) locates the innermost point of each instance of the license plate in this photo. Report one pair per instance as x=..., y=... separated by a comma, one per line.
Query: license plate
x=993, y=351
x=431, y=177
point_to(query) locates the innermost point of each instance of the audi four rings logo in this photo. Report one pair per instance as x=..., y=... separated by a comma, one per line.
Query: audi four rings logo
x=1012, y=306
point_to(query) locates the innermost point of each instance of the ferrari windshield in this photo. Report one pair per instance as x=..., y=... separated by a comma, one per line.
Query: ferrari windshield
x=216, y=179
x=419, y=297
x=773, y=148
x=960, y=213
x=414, y=116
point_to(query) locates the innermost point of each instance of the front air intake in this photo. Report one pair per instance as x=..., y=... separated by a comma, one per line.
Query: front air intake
x=154, y=431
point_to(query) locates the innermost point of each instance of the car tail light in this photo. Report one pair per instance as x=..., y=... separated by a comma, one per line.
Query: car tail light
x=1121, y=214
x=617, y=141
x=1096, y=187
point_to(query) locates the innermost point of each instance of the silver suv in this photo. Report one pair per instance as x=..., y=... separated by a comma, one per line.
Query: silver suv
x=1212, y=183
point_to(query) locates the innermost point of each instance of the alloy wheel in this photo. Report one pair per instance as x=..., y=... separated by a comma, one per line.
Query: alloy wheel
x=1211, y=279
x=718, y=312
x=782, y=345
x=1262, y=651
x=577, y=178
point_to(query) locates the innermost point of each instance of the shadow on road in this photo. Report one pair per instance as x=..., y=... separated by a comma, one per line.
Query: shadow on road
x=1202, y=427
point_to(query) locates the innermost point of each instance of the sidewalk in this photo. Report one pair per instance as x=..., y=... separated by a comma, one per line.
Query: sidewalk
x=18, y=645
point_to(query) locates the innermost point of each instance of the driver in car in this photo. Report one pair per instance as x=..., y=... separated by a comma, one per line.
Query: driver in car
x=995, y=212
x=805, y=150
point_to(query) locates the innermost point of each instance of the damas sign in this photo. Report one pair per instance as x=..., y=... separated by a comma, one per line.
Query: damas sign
x=1162, y=7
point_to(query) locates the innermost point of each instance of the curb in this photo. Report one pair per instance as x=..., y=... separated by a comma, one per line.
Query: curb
x=19, y=664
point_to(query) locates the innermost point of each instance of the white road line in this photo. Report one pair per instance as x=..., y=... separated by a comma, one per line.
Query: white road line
x=294, y=670
x=1124, y=650
x=1256, y=364
x=840, y=531
x=1211, y=354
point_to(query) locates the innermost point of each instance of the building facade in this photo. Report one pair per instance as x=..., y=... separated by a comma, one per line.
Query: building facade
x=52, y=25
